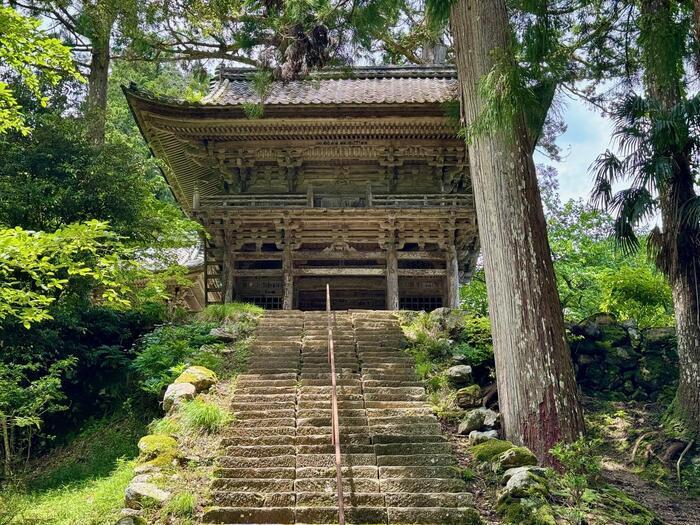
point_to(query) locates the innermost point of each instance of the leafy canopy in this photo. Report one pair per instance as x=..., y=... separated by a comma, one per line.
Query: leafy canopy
x=27, y=53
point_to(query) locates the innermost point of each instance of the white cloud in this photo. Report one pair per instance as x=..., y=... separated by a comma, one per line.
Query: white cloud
x=588, y=135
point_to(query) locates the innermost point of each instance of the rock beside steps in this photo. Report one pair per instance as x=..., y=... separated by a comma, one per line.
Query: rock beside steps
x=278, y=464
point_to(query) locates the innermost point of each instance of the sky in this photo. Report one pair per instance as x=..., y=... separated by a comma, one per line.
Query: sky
x=587, y=136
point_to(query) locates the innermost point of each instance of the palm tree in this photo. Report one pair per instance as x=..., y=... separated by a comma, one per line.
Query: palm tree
x=658, y=136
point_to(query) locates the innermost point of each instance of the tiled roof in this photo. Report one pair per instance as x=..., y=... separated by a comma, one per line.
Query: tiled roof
x=368, y=85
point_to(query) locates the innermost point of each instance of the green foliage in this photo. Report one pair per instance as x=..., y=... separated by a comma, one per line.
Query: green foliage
x=218, y=313
x=26, y=396
x=638, y=293
x=28, y=54
x=202, y=416
x=167, y=351
x=56, y=176
x=592, y=275
x=181, y=504
x=582, y=466
x=36, y=267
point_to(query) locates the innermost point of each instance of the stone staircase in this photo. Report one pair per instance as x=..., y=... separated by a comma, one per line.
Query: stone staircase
x=277, y=464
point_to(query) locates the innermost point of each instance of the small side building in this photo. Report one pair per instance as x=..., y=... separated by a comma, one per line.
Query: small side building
x=354, y=178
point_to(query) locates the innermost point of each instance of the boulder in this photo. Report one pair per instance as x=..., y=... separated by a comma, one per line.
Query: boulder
x=514, y=457
x=479, y=419
x=132, y=520
x=176, y=393
x=202, y=378
x=459, y=375
x=155, y=445
x=476, y=437
x=521, y=482
x=518, y=471
x=492, y=419
x=138, y=495
x=474, y=420
x=225, y=334
x=469, y=397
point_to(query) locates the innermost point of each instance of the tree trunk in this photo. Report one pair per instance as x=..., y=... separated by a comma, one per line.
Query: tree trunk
x=696, y=32
x=96, y=102
x=6, y=447
x=680, y=251
x=687, y=307
x=103, y=17
x=536, y=386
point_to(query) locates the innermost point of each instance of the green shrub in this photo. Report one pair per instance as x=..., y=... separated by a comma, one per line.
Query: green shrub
x=181, y=504
x=477, y=332
x=475, y=356
x=219, y=313
x=163, y=354
x=198, y=415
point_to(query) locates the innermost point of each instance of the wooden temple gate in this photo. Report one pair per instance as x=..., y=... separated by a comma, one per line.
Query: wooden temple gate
x=360, y=182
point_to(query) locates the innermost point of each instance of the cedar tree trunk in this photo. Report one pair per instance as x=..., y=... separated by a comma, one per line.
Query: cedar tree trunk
x=536, y=387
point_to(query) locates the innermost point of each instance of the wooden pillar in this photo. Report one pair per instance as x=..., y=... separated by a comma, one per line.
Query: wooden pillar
x=288, y=278
x=392, y=278
x=228, y=274
x=452, y=278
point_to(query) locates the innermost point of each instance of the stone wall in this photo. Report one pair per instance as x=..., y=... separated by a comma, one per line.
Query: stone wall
x=619, y=361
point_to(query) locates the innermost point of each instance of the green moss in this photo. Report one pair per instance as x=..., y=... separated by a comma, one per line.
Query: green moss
x=513, y=457
x=489, y=449
x=614, y=506
x=532, y=509
x=155, y=445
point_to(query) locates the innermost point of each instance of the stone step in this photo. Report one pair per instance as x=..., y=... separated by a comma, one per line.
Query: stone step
x=261, y=440
x=261, y=451
x=225, y=498
x=327, y=499
x=326, y=412
x=330, y=449
x=421, y=485
x=323, y=439
x=253, y=485
x=328, y=460
x=384, y=439
x=416, y=460
x=396, y=449
x=431, y=515
x=236, y=432
x=364, y=515
x=250, y=515
x=352, y=472
x=418, y=471
x=436, y=499
x=329, y=485
x=256, y=473
x=264, y=414
x=273, y=461
x=270, y=422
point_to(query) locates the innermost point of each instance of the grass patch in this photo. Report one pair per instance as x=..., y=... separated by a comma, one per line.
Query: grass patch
x=181, y=504
x=81, y=483
x=198, y=415
x=218, y=313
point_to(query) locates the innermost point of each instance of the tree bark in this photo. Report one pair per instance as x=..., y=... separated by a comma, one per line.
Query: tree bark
x=680, y=251
x=103, y=17
x=536, y=386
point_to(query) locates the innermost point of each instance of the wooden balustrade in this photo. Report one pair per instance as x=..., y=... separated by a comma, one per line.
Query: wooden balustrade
x=377, y=200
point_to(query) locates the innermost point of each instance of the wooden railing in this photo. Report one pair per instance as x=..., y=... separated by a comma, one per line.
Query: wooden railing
x=335, y=419
x=287, y=200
